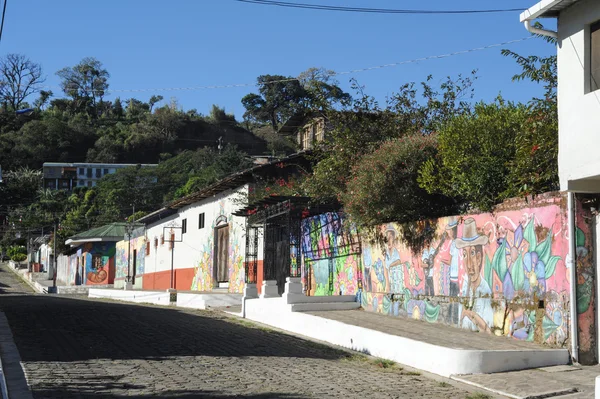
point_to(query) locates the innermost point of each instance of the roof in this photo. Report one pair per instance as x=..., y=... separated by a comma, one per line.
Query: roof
x=108, y=233
x=546, y=9
x=230, y=182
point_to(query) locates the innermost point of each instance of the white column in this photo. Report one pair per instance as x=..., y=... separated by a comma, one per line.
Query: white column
x=269, y=289
x=293, y=290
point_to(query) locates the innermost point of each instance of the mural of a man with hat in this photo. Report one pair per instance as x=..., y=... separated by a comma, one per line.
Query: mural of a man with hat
x=452, y=264
x=392, y=256
x=478, y=315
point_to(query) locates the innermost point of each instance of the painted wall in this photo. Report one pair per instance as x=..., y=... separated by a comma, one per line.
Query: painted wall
x=331, y=263
x=137, y=249
x=577, y=106
x=91, y=264
x=194, y=256
x=503, y=272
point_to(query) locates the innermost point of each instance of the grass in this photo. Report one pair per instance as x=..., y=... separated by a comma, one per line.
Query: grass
x=384, y=363
x=478, y=395
x=444, y=384
x=411, y=373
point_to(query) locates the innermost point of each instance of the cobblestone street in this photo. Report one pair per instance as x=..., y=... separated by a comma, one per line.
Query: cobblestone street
x=73, y=347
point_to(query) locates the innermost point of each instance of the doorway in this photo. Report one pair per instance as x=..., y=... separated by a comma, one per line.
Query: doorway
x=221, y=269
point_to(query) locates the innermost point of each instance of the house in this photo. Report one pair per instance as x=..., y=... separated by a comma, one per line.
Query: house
x=578, y=50
x=198, y=242
x=67, y=176
x=91, y=258
x=306, y=129
x=578, y=60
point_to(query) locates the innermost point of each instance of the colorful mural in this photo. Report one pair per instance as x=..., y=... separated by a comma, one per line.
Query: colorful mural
x=138, y=244
x=503, y=273
x=586, y=283
x=99, y=262
x=203, y=267
x=331, y=255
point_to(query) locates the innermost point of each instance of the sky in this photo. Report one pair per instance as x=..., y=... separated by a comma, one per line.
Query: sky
x=151, y=44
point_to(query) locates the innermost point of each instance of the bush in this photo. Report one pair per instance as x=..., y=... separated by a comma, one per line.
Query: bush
x=15, y=251
x=383, y=184
x=18, y=257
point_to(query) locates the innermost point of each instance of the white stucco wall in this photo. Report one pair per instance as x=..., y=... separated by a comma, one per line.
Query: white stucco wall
x=579, y=110
x=195, y=252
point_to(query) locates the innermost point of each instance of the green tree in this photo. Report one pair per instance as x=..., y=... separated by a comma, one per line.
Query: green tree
x=86, y=82
x=362, y=128
x=474, y=152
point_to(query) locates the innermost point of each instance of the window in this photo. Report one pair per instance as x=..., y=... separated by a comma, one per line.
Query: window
x=307, y=135
x=105, y=171
x=147, y=248
x=81, y=182
x=155, y=242
x=82, y=171
x=98, y=173
x=172, y=242
x=89, y=172
x=595, y=56
x=162, y=239
x=201, y=221
x=89, y=184
x=320, y=130
x=184, y=226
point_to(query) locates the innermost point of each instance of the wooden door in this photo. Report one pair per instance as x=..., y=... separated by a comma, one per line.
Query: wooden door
x=223, y=254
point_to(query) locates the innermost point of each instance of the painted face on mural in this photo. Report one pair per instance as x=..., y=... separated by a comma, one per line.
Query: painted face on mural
x=473, y=260
x=391, y=238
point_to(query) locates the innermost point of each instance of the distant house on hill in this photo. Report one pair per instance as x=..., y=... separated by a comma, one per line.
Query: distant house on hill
x=67, y=176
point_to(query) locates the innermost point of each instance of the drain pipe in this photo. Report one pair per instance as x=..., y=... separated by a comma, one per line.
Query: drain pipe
x=538, y=31
x=572, y=265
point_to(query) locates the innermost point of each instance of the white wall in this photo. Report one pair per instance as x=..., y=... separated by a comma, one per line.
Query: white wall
x=579, y=110
x=196, y=249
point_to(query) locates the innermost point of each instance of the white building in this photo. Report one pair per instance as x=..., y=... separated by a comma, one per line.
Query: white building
x=578, y=38
x=67, y=176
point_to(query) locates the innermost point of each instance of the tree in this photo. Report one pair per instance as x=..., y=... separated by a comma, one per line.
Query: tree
x=474, y=152
x=322, y=90
x=153, y=100
x=86, y=82
x=43, y=99
x=362, y=128
x=20, y=78
x=280, y=98
x=218, y=115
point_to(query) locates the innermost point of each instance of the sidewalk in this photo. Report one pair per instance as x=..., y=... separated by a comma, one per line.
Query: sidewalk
x=559, y=381
x=435, y=348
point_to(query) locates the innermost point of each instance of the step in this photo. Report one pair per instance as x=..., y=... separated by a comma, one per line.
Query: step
x=310, y=307
x=301, y=298
x=224, y=285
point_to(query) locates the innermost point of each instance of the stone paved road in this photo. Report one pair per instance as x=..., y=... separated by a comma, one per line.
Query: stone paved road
x=76, y=348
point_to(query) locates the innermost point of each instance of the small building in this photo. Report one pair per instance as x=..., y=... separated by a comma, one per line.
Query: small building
x=67, y=176
x=91, y=260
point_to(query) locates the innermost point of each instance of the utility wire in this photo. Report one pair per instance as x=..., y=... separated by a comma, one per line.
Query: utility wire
x=325, y=7
x=3, y=14
x=394, y=64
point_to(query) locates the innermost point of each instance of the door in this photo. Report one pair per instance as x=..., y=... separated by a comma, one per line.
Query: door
x=134, y=266
x=222, y=273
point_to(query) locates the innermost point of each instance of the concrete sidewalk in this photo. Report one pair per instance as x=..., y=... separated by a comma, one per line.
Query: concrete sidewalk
x=559, y=381
x=435, y=348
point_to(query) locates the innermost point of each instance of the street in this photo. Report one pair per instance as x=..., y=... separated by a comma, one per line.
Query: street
x=76, y=348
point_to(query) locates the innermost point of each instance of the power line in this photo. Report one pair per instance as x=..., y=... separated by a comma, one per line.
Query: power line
x=324, y=7
x=3, y=14
x=394, y=64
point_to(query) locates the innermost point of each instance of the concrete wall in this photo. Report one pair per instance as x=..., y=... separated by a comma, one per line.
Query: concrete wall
x=579, y=109
x=503, y=272
x=194, y=256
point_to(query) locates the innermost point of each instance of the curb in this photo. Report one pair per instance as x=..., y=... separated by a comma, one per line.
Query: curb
x=543, y=395
x=3, y=386
x=12, y=366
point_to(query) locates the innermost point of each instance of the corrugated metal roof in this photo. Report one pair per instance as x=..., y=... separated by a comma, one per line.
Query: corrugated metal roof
x=546, y=9
x=109, y=232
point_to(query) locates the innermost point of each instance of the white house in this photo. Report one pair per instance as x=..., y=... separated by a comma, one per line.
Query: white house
x=578, y=38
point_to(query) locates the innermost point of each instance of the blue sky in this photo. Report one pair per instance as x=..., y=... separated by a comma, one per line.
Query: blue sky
x=147, y=44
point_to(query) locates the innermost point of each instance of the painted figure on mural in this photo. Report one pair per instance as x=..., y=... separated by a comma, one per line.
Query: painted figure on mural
x=392, y=256
x=428, y=258
x=451, y=263
x=477, y=314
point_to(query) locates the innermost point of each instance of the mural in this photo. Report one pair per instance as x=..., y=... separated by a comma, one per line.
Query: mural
x=99, y=262
x=203, y=267
x=503, y=273
x=586, y=283
x=139, y=245
x=331, y=255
